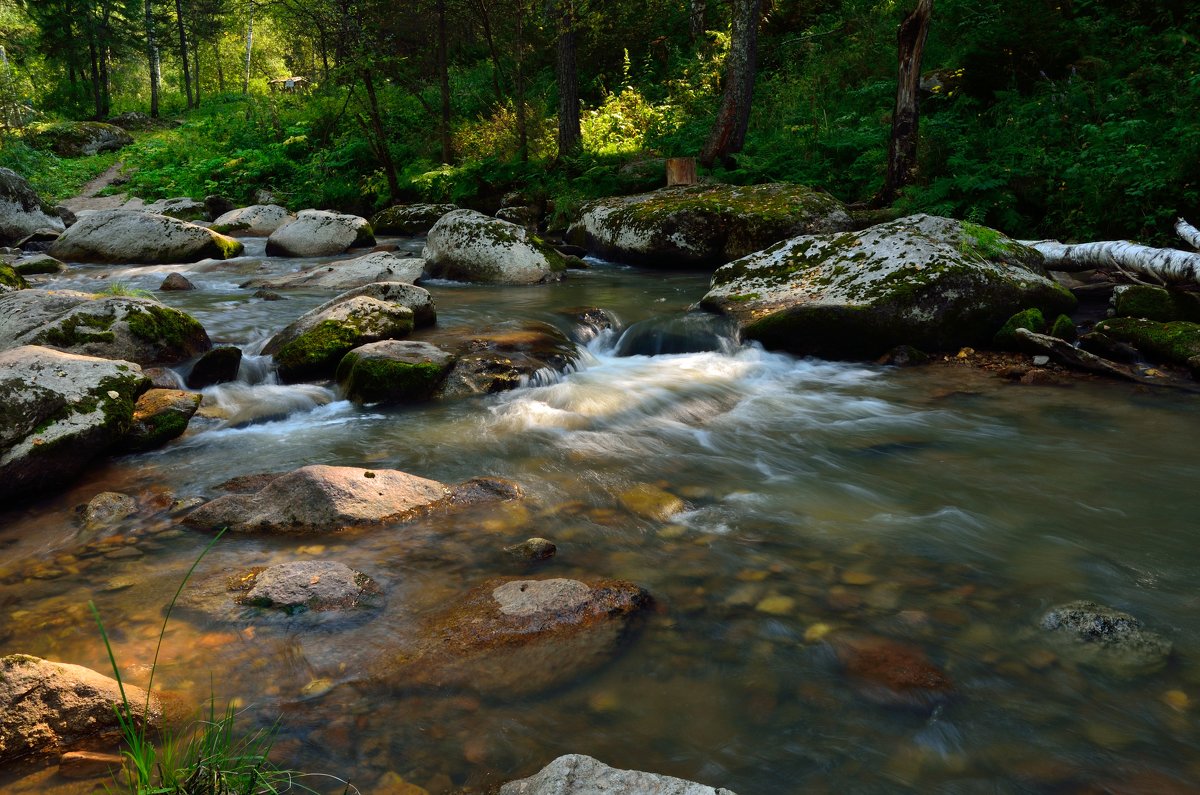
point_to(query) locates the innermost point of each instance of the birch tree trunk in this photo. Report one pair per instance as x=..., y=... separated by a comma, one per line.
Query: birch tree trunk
x=1166, y=265
x=1189, y=233
x=902, y=149
x=728, y=134
x=249, y=49
x=696, y=11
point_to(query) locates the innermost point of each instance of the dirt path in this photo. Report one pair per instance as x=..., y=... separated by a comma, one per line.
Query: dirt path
x=88, y=200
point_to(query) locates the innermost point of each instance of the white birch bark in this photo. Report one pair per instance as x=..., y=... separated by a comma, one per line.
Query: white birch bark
x=1189, y=233
x=1166, y=265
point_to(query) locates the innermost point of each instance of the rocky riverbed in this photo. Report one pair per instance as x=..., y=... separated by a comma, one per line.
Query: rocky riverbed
x=567, y=517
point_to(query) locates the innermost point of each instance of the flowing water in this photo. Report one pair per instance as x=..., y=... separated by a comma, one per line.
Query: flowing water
x=941, y=506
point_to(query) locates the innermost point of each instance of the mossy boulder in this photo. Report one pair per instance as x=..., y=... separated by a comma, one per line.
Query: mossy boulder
x=319, y=233
x=80, y=138
x=10, y=279
x=410, y=219
x=511, y=637
x=140, y=238
x=930, y=282
x=159, y=416
x=37, y=265
x=1031, y=319
x=22, y=212
x=469, y=246
x=257, y=220
x=1175, y=343
x=135, y=329
x=1156, y=303
x=58, y=412
x=1064, y=328
x=703, y=225
x=393, y=371
x=313, y=346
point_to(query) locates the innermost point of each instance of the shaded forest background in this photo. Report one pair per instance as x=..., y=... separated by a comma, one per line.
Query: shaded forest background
x=1073, y=119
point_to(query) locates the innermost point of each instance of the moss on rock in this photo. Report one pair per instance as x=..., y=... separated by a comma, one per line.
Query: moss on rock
x=1177, y=342
x=1156, y=303
x=1064, y=329
x=1031, y=319
x=10, y=280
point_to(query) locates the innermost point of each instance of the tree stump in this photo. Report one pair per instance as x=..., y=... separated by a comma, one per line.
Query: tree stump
x=681, y=171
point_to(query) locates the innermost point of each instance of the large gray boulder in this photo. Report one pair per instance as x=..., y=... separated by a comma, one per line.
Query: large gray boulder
x=315, y=343
x=114, y=327
x=140, y=238
x=378, y=266
x=410, y=219
x=703, y=225
x=21, y=210
x=318, y=233
x=257, y=220
x=1105, y=639
x=510, y=638
x=469, y=246
x=47, y=708
x=925, y=281
x=58, y=411
x=318, y=499
x=576, y=774
x=81, y=138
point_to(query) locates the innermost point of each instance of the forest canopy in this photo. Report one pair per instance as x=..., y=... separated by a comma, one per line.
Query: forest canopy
x=1044, y=118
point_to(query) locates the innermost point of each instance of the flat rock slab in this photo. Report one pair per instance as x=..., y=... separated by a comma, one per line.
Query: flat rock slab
x=892, y=673
x=576, y=774
x=507, y=638
x=318, y=499
x=50, y=707
x=124, y=236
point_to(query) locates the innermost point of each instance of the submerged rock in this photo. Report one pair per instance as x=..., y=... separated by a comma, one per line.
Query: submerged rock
x=106, y=509
x=81, y=138
x=533, y=549
x=504, y=357
x=317, y=585
x=1105, y=639
x=47, y=708
x=515, y=637
x=576, y=774
x=58, y=411
x=159, y=416
x=694, y=332
x=21, y=210
x=257, y=220
x=317, y=233
x=393, y=371
x=892, y=673
x=115, y=327
x=934, y=283
x=703, y=225
x=410, y=219
x=319, y=498
x=378, y=266
x=140, y=238
x=469, y=246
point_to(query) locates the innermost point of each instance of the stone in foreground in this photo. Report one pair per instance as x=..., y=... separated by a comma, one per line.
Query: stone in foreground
x=140, y=238
x=576, y=774
x=318, y=233
x=58, y=411
x=933, y=283
x=318, y=499
x=469, y=246
x=114, y=327
x=703, y=225
x=509, y=638
x=1105, y=639
x=51, y=707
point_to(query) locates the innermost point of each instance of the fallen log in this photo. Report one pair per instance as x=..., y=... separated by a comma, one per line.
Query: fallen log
x=1189, y=233
x=1068, y=355
x=1164, y=265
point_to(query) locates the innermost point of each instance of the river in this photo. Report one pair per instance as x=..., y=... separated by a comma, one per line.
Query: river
x=941, y=506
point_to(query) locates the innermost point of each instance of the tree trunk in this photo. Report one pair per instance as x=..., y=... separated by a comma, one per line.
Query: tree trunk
x=569, y=135
x=152, y=58
x=1166, y=265
x=105, y=84
x=97, y=100
x=902, y=150
x=183, y=52
x=443, y=57
x=249, y=49
x=1189, y=233
x=220, y=69
x=728, y=134
x=196, y=66
x=383, y=150
x=696, y=11
x=681, y=171
x=519, y=92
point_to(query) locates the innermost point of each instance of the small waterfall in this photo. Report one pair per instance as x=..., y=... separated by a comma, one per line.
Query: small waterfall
x=695, y=332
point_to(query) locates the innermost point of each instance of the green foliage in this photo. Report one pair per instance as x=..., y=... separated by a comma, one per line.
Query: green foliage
x=54, y=178
x=125, y=291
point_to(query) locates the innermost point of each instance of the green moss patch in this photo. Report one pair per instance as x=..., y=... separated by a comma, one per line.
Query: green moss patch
x=1177, y=342
x=1157, y=303
x=1031, y=319
x=10, y=279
